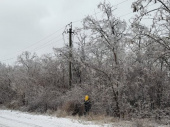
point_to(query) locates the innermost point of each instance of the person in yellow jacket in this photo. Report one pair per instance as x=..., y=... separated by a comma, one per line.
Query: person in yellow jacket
x=87, y=104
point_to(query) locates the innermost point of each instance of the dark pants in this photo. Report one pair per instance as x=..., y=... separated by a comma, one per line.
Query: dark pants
x=87, y=107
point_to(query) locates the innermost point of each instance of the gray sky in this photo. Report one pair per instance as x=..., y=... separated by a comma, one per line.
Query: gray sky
x=23, y=23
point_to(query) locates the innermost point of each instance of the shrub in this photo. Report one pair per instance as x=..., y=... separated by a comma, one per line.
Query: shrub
x=73, y=107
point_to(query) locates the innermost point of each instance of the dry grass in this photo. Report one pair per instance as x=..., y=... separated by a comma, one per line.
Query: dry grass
x=147, y=123
x=73, y=108
x=69, y=107
x=97, y=119
x=111, y=121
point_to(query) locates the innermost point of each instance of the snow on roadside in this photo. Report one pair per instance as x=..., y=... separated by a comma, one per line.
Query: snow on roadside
x=10, y=118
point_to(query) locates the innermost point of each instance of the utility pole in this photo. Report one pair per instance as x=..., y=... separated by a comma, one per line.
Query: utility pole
x=70, y=54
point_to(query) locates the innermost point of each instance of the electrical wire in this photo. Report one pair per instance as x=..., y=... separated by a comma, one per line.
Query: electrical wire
x=35, y=43
x=37, y=49
x=59, y=30
x=44, y=46
x=46, y=43
x=79, y=20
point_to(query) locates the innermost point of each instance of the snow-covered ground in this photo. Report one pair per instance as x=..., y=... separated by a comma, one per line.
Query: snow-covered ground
x=10, y=118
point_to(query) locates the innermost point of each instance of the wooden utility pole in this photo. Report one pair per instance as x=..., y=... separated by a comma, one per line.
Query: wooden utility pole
x=70, y=55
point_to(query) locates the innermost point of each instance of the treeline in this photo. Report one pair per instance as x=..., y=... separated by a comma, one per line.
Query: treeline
x=124, y=70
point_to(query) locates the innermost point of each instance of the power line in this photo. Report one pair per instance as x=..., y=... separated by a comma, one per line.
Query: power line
x=121, y=15
x=45, y=37
x=59, y=30
x=47, y=42
x=121, y=3
x=8, y=59
x=44, y=46
x=100, y=11
x=36, y=50
x=37, y=42
x=117, y=17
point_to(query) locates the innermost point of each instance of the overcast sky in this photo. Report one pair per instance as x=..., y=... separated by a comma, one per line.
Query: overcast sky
x=25, y=24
